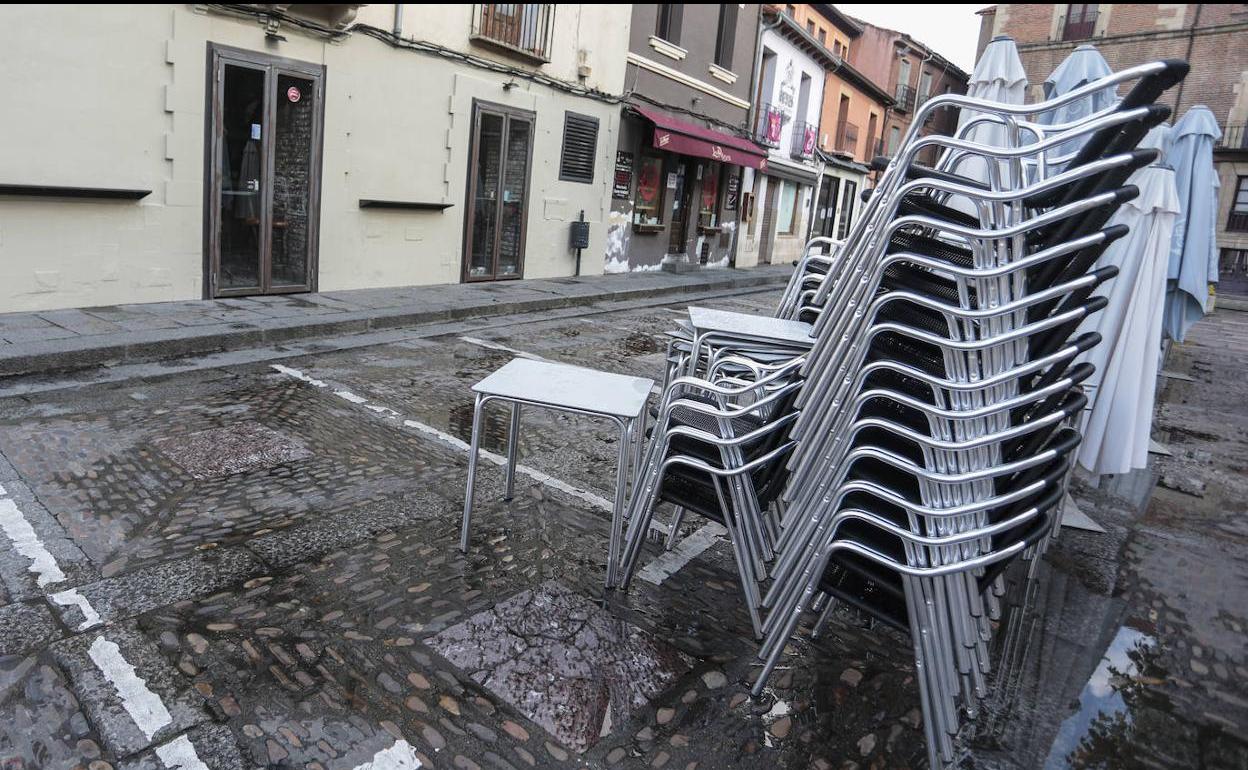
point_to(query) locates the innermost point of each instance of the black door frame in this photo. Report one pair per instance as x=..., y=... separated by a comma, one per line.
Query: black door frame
x=273, y=66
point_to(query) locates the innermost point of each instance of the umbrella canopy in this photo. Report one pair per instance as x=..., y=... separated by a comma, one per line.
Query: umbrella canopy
x=998, y=77
x=1084, y=65
x=1193, y=249
x=1123, y=387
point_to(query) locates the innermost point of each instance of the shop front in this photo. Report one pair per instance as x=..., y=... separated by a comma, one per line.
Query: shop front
x=676, y=193
x=838, y=197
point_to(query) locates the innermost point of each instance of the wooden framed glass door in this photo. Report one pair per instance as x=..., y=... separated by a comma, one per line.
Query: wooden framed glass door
x=262, y=181
x=499, y=158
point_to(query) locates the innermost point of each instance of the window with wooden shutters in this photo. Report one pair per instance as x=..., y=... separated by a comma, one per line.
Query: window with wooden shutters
x=580, y=145
x=1080, y=21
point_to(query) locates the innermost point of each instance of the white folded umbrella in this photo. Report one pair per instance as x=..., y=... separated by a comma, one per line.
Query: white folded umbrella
x=1123, y=387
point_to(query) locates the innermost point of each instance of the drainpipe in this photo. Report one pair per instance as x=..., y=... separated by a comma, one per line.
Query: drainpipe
x=398, y=19
x=1191, y=41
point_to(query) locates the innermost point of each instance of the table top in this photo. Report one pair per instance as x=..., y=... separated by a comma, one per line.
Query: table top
x=761, y=327
x=562, y=386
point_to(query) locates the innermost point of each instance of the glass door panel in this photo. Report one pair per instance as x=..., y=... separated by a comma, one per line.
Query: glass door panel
x=294, y=131
x=515, y=179
x=241, y=203
x=487, y=180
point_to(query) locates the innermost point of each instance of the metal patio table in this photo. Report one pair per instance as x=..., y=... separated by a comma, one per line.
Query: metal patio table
x=710, y=326
x=562, y=387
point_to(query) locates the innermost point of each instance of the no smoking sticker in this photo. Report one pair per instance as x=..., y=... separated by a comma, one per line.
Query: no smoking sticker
x=293, y=94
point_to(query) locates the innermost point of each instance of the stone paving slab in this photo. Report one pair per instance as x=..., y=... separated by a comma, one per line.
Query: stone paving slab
x=77, y=338
x=131, y=710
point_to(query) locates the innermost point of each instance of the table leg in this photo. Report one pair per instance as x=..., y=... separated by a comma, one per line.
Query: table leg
x=472, y=471
x=513, y=442
x=617, y=511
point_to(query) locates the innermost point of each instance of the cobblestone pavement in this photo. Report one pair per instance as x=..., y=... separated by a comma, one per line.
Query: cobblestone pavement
x=240, y=565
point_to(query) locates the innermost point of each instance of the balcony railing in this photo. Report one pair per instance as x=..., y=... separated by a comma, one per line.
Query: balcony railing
x=1234, y=137
x=847, y=138
x=770, y=124
x=904, y=97
x=803, y=143
x=522, y=28
x=1237, y=222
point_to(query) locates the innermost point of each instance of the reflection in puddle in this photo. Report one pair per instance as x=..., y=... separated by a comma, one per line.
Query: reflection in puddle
x=1103, y=730
x=495, y=423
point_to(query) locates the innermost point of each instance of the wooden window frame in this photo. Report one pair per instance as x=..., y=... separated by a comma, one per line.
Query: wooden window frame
x=480, y=106
x=1237, y=218
x=667, y=22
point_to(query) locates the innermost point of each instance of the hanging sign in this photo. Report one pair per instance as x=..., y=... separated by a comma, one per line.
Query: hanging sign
x=623, y=175
x=732, y=193
x=293, y=94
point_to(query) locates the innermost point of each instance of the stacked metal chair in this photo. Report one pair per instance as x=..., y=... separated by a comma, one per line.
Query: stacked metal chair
x=921, y=444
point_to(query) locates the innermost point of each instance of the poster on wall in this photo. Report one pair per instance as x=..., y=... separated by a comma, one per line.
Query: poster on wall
x=649, y=178
x=623, y=184
x=732, y=193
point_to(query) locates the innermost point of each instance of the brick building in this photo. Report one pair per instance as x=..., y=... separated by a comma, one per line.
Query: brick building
x=1213, y=37
x=911, y=73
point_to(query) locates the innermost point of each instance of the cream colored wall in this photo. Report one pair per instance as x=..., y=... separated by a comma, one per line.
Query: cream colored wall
x=119, y=101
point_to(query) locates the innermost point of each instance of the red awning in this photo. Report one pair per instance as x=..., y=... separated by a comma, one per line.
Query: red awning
x=688, y=139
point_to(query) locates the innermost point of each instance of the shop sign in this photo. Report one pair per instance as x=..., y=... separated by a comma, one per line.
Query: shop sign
x=623, y=175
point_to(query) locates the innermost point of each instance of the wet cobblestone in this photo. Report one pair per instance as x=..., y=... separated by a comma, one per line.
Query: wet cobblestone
x=309, y=608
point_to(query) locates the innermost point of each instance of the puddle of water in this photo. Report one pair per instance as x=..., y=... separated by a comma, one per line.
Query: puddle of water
x=1104, y=726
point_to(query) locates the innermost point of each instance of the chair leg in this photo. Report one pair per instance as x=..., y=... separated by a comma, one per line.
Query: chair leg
x=673, y=528
x=617, y=511
x=513, y=449
x=472, y=473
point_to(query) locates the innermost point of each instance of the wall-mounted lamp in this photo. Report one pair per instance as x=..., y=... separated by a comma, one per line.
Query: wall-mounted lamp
x=510, y=84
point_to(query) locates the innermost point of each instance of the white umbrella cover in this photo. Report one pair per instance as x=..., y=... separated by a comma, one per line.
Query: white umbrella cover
x=1084, y=65
x=1194, y=248
x=999, y=76
x=1117, y=427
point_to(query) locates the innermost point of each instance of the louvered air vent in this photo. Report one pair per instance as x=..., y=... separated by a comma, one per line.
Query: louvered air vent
x=580, y=145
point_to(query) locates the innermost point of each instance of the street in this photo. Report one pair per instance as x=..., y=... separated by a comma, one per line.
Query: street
x=254, y=564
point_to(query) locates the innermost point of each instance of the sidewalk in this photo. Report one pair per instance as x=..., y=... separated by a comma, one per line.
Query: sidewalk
x=77, y=338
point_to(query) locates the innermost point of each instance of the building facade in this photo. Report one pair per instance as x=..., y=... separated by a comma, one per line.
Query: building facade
x=911, y=73
x=183, y=152
x=853, y=108
x=1212, y=36
x=788, y=101
x=683, y=139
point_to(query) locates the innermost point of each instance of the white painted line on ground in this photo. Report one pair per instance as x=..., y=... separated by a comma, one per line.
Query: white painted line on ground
x=179, y=754
x=71, y=598
x=446, y=438
x=400, y=756
x=28, y=544
x=144, y=706
x=499, y=346
x=533, y=473
x=670, y=562
x=298, y=375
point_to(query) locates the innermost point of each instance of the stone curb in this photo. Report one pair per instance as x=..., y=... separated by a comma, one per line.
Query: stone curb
x=68, y=354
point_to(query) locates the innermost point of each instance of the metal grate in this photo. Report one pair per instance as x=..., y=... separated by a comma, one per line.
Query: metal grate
x=580, y=145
